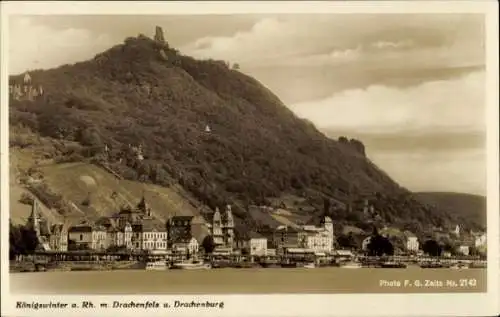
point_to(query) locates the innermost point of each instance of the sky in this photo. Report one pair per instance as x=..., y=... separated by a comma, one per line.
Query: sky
x=410, y=86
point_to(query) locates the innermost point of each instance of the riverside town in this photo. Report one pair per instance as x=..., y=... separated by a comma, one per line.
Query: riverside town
x=134, y=239
x=177, y=179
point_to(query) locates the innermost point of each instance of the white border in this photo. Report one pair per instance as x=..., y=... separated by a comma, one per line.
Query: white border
x=485, y=304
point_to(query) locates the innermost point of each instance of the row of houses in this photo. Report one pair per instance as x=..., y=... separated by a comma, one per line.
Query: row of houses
x=311, y=238
x=136, y=229
x=131, y=229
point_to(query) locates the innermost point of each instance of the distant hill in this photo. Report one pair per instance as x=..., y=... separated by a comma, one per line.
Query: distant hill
x=205, y=128
x=467, y=206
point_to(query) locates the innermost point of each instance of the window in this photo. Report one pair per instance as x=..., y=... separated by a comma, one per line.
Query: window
x=81, y=237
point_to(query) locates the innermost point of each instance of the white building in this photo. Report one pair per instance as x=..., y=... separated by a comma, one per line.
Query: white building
x=464, y=249
x=254, y=243
x=217, y=228
x=149, y=235
x=186, y=246
x=120, y=236
x=480, y=240
x=58, y=240
x=412, y=244
x=222, y=228
x=258, y=245
x=365, y=243
x=87, y=236
x=318, y=238
x=318, y=242
x=271, y=252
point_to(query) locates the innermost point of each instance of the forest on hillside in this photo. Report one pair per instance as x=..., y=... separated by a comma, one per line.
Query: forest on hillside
x=155, y=115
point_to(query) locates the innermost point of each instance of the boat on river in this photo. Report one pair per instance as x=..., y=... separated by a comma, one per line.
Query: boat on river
x=393, y=265
x=191, y=265
x=270, y=264
x=156, y=266
x=350, y=265
x=459, y=266
x=433, y=265
x=310, y=265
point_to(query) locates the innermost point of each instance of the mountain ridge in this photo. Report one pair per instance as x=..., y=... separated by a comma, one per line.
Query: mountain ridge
x=471, y=206
x=144, y=94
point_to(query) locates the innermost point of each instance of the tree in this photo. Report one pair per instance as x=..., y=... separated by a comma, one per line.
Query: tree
x=22, y=240
x=432, y=248
x=90, y=137
x=399, y=243
x=26, y=199
x=16, y=244
x=380, y=246
x=346, y=241
x=30, y=239
x=208, y=244
x=448, y=247
x=474, y=251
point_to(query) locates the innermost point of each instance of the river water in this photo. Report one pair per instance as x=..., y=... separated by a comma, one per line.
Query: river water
x=247, y=281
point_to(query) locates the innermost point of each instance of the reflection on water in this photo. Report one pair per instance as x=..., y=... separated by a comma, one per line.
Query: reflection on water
x=321, y=280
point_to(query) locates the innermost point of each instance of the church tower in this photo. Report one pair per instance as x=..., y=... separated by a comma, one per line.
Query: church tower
x=144, y=207
x=229, y=227
x=217, y=228
x=328, y=227
x=35, y=219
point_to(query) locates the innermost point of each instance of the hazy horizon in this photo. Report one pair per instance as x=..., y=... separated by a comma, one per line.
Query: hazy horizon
x=411, y=87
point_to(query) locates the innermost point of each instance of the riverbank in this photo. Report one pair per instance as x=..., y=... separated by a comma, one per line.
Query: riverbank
x=63, y=266
x=255, y=280
x=27, y=266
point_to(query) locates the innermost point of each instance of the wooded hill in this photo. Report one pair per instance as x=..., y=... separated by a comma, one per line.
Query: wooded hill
x=217, y=132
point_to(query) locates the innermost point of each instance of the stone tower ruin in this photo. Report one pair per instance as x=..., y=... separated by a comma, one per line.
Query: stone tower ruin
x=159, y=37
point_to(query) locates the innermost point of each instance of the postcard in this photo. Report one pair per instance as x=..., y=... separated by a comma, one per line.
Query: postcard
x=250, y=158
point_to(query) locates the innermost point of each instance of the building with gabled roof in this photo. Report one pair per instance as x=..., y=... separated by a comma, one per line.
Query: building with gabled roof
x=48, y=237
x=87, y=236
x=149, y=234
x=179, y=229
x=222, y=228
x=58, y=239
x=254, y=243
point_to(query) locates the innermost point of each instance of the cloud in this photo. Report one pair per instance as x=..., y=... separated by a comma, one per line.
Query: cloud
x=253, y=41
x=422, y=141
x=332, y=39
x=449, y=104
x=463, y=172
x=260, y=42
x=393, y=45
x=34, y=46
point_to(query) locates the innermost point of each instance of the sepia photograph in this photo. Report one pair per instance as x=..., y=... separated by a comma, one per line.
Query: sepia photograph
x=232, y=153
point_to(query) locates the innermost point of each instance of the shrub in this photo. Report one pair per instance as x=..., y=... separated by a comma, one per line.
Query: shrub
x=26, y=199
